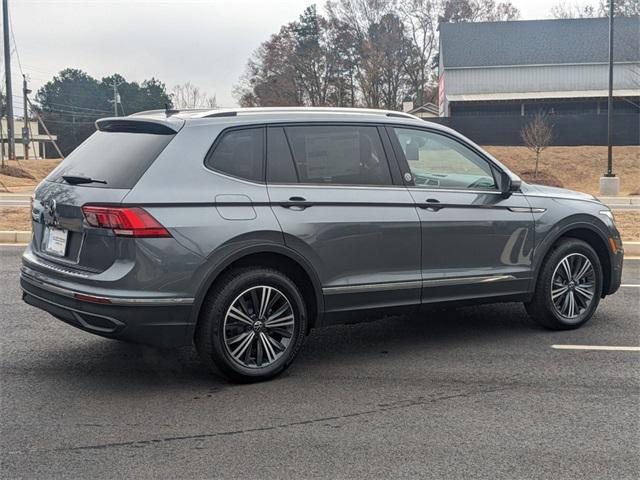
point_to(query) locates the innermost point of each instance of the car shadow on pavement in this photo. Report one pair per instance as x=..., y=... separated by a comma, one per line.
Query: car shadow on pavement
x=485, y=326
x=122, y=366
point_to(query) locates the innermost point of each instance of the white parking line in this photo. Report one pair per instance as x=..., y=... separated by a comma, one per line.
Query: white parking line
x=596, y=347
x=629, y=285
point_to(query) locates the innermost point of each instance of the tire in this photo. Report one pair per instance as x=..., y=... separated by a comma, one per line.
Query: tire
x=237, y=339
x=554, y=277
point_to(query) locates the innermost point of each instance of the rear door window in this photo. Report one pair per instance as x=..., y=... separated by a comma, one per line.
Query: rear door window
x=339, y=155
x=117, y=158
x=239, y=153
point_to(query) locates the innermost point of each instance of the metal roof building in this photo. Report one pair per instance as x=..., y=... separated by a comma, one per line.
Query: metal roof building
x=516, y=67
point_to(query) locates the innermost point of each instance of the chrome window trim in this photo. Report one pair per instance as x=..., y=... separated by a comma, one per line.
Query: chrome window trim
x=457, y=190
x=410, y=284
x=398, y=188
x=441, y=282
x=372, y=287
x=527, y=209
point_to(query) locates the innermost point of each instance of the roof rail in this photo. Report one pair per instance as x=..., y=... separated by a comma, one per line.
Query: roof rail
x=172, y=111
x=221, y=114
x=400, y=114
x=265, y=110
x=233, y=112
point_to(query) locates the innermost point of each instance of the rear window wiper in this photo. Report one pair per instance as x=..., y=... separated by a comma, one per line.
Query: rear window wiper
x=74, y=180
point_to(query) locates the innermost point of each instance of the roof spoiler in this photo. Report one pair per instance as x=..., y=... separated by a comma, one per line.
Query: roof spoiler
x=139, y=125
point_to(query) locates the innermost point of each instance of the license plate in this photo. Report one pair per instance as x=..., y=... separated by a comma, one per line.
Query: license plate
x=56, y=241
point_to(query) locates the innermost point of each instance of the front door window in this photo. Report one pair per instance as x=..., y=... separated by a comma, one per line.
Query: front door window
x=437, y=161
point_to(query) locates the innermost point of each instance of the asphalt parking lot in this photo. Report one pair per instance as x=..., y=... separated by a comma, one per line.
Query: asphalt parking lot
x=468, y=393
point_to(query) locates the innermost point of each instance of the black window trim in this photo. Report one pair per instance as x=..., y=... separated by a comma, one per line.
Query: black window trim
x=293, y=160
x=218, y=140
x=396, y=179
x=404, y=164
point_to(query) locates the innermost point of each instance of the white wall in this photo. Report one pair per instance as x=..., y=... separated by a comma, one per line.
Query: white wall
x=552, y=78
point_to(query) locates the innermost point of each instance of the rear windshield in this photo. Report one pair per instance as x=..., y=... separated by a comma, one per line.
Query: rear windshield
x=117, y=158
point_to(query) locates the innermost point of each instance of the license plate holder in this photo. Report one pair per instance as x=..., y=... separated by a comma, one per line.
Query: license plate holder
x=56, y=241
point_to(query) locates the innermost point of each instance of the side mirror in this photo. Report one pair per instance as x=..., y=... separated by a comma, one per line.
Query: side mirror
x=510, y=184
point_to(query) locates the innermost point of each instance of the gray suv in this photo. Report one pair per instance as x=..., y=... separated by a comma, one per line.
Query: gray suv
x=240, y=230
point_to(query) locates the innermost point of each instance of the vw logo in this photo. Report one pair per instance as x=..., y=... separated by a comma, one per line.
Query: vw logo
x=51, y=207
x=52, y=214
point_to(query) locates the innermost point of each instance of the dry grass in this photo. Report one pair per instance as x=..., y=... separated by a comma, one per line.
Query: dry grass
x=37, y=169
x=542, y=178
x=15, y=218
x=578, y=168
x=15, y=172
x=628, y=222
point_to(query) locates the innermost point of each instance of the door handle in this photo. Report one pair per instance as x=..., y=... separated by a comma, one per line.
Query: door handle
x=431, y=204
x=296, y=203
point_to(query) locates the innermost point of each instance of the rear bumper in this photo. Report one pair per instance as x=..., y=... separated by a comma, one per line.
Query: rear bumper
x=161, y=322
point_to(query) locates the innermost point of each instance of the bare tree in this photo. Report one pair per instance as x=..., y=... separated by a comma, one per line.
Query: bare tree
x=537, y=135
x=622, y=8
x=369, y=53
x=270, y=79
x=421, y=20
x=478, y=11
x=576, y=10
x=189, y=95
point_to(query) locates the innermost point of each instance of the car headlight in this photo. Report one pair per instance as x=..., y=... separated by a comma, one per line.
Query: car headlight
x=608, y=213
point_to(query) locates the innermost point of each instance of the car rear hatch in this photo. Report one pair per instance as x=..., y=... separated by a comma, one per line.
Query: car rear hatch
x=99, y=173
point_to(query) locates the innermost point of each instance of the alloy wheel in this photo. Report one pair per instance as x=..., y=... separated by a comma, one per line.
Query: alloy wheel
x=573, y=286
x=258, y=327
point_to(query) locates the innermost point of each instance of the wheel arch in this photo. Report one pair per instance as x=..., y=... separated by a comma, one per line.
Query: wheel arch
x=276, y=256
x=588, y=233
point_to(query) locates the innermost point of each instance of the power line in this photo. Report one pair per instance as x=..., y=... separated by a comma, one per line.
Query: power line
x=15, y=45
x=67, y=122
x=55, y=144
x=69, y=108
x=70, y=112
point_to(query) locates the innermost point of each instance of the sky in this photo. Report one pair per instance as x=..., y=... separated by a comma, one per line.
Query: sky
x=206, y=42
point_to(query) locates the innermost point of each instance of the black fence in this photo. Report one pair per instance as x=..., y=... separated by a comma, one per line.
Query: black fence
x=579, y=129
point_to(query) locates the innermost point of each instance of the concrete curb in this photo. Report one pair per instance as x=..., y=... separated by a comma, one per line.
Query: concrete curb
x=15, y=197
x=13, y=236
x=615, y=201
x=631, y=249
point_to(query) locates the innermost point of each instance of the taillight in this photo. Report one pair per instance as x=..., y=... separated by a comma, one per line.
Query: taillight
x=125, y=221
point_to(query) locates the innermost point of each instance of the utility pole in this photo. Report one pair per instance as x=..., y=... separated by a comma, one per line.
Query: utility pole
x=609, y=183
x=610, y=100
x=46, y=130
x=7, y=70
x=25, y=130
x=116, y=98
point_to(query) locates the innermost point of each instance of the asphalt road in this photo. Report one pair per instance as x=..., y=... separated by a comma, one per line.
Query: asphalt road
x=468, y=393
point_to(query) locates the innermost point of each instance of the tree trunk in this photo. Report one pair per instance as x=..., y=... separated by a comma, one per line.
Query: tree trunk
x=535, y=174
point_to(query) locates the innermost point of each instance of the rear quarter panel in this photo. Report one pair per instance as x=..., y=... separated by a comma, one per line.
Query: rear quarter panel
x=209, y=214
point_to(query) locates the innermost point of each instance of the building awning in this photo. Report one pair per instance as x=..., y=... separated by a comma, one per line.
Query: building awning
x=485, y=97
